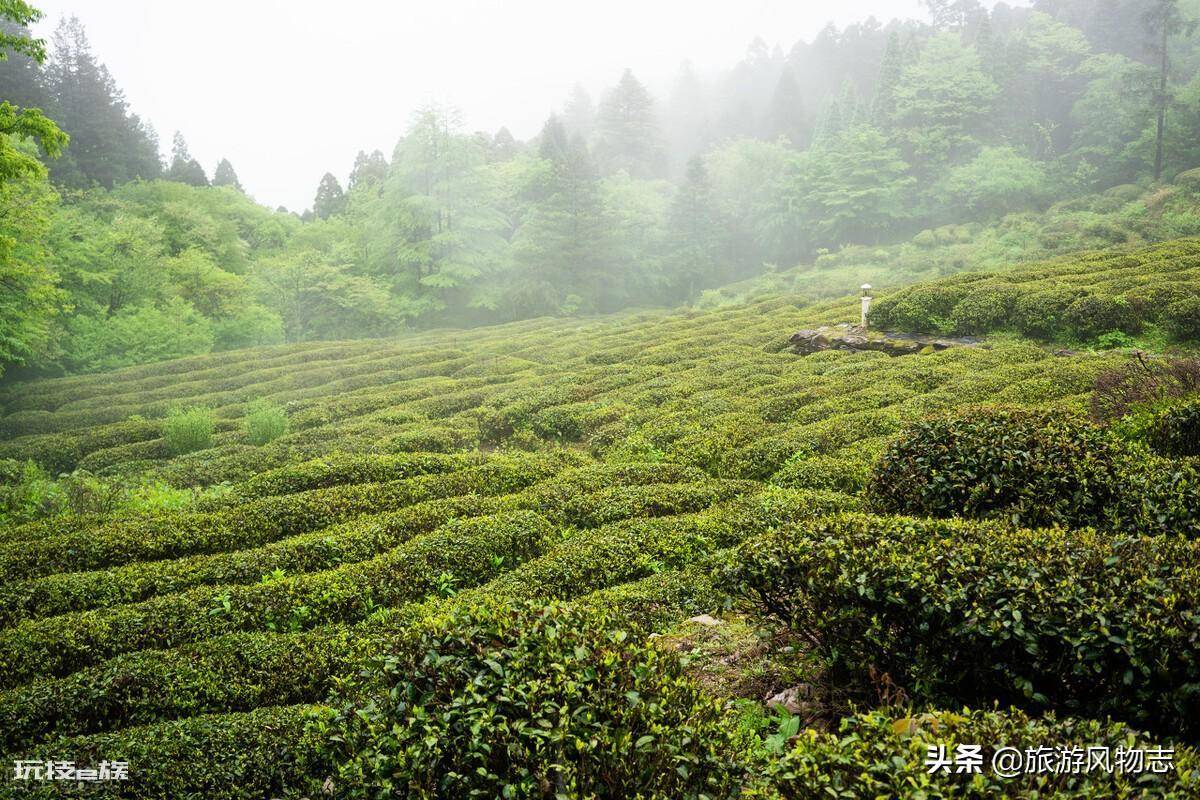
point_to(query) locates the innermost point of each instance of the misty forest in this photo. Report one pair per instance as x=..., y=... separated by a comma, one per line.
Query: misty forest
x=749, y=437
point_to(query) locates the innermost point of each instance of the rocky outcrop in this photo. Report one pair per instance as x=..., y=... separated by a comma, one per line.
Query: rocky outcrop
x=855, y=339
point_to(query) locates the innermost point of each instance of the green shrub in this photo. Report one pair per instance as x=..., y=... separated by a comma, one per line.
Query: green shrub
x=265, y=423
x=1092, y=315
x=1030, y=467
x=357, y=540
x=1182, y=319
x=460, y=554
x=1189, y=180
x=254, y=523
x=1159, y=496
x=1175, y=431
x=238, y=672
x=242, y=756
x=838, y=473
x=27, y=493
x=1042, y=315
x=883, y=753
x=920, y=309
x=1114, y=340
x=956, y=611
x=188, y=430
x=529, y=701
x=984, y=310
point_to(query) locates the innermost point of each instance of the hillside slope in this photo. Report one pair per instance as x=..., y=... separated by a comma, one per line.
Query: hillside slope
x=616, y=459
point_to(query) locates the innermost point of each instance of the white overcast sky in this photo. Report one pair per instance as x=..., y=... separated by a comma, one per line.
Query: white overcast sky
x=288, y=89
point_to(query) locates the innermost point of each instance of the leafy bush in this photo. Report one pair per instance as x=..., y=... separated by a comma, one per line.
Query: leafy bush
x=955, y=611
x=1175, y=431
x=1114, y=340
x=1030, y=467
x=920, y=309
x=137, y=335
x=189, y=430
x=1042, y=315
x=529, y=701
x=265, y=423
x=1159, y=496
x=983, y=311
x=262, y=753
x=460, y=554
x=238, y=672
x=1182, y=319
x=27, y=492
x=1091, y=315
x=254, y=523
x=882, y=754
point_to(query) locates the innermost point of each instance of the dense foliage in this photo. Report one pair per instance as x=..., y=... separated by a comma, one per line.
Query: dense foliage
x=1030, y=467
x=531, y=702
x=425, y=489
x=966, y=612
x=876, y=152
x=882, y=754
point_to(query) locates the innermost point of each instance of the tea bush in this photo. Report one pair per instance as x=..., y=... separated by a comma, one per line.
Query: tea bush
x=529, y=701
x=607, y=462
x=957, y=611
x=1028, y=466
x=882, y=754
x=1175, y=431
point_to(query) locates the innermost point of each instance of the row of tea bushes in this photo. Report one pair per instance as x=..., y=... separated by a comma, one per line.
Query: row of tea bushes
x=1076, y=298
x=256, y=522
x=460, y=554
x=647, y=590
x=957, y=611
x=323, y=549
x=883, y=753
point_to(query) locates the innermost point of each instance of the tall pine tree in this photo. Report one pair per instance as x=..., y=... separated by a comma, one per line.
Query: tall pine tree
x=627, y=134
x=226, y=176
x=785, y=114
x=184, y=168
x=109, y=144
x=330, y=198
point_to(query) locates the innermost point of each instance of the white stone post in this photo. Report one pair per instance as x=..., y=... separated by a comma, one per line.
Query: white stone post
x=866, y=303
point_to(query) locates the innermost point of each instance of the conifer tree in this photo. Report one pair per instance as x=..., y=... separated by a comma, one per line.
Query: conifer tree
x=369, y=170
x=627, y=135
x=890, y=69
x=184, y=168
x=330, y=198
x=226, y=176
x=785, y=114
x=109, y=145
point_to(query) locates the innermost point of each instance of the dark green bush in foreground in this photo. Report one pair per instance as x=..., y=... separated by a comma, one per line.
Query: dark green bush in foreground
x=527, y=701
x=1159, y=496
x=967, y=612
x=882, y=754
x=1175, y=432
x=1029, y=466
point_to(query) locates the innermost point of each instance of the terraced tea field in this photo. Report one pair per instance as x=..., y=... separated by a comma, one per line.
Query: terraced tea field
x=612, y=463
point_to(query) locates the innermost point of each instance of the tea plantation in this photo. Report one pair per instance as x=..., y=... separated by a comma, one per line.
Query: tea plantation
x=463, y=563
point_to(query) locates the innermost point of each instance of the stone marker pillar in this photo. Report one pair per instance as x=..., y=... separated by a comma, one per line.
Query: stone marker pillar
x=866, y=303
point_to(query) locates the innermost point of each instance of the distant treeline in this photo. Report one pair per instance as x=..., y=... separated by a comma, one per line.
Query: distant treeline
x=863, y=136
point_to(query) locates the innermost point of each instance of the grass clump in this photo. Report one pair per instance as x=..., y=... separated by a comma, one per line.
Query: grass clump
x=265, y=423
x=188, y=430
